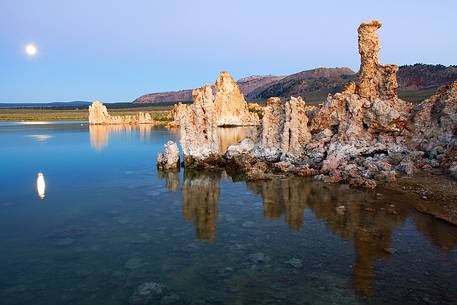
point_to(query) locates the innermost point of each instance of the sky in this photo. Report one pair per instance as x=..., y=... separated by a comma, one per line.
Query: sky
x=117, y=50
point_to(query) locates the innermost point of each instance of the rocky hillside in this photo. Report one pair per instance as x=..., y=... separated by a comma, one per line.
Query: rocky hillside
x=416, y=82
x=246, y=84
x=165, y=97
x=307, y=84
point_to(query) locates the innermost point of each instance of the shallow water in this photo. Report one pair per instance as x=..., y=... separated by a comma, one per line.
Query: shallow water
x=109, y=222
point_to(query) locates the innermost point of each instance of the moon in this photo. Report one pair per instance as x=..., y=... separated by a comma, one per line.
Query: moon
x=31, y=49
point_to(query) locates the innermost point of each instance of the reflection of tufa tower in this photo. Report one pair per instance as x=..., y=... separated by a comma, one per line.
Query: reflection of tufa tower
x=284, y=196
x=200, y=199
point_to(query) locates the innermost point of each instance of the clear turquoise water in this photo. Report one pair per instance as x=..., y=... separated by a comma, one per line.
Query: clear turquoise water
x=109, y=223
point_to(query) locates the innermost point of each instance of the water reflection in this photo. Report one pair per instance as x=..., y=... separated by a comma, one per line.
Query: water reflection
x=40, y=185
x=365, y=218
x=232, y=135
x=171, y=178
x=40, y=138
x=100, y=134
x=201, y=200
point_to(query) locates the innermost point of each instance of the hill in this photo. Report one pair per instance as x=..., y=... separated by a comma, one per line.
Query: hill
x=416, y=82
x=246, y=84
x=310, y=84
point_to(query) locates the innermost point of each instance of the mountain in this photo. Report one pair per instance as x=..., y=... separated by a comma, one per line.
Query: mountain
x=416, y=82
x=246, y=84
x=420, y=81
x=165, y=97
x=307, y=84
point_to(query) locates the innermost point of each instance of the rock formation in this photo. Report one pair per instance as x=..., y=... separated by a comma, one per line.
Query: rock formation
x=169, y=159
x=361, y=135
x=376, y=80
x=199, y=138
x=227, y=104
x=435, y=129
x=98, y=115
x=230, y=107
x=284, y=129
x=223, y=106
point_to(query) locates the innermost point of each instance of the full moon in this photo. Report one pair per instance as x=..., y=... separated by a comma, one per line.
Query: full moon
x=31, y=49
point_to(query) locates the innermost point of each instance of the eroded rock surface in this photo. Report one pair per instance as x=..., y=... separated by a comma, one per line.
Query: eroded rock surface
x=227, y=104
x=199, y=137
x=230, y=106
x=169, y=159
x=361, y=135
x=284, y=129
x=98, y=115
x=435, y=129
x=376, y=80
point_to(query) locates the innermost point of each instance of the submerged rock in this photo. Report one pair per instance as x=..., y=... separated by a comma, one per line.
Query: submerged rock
x=146, y=293
x=259, y=258
x=169, y=159
x=98, y=115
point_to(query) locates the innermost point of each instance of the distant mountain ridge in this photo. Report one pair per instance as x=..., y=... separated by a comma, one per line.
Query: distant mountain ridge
x=416, y=82
x=246, y=84
x=304, y=84
x=46, y=105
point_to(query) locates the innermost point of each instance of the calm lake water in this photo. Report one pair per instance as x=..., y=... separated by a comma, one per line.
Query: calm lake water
x=110, y=229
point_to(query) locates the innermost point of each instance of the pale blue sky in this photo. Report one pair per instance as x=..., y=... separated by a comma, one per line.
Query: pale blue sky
x=116, y=50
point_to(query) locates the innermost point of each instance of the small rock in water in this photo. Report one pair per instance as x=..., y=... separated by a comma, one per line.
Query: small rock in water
x=390, y=250
x=145, y=293
x=295, y=262
x=259, y=257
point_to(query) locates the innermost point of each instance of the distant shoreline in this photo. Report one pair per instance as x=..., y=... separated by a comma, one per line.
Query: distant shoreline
x=159, y=113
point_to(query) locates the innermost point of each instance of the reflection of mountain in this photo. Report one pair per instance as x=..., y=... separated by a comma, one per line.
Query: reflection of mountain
x=100, y=134
x=201, y=201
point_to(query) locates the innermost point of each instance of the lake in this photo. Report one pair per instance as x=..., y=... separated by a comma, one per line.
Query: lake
x=108, y=228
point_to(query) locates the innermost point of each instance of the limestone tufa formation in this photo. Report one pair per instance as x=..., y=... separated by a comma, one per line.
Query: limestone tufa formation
x=98, y=115
x=361, y=135
x=222, y=106
x=230, y=106
x=169, y=159
x=199, y=139
x=284, y=129
x=376, y=80
x=435, y=129
x=227, y=104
